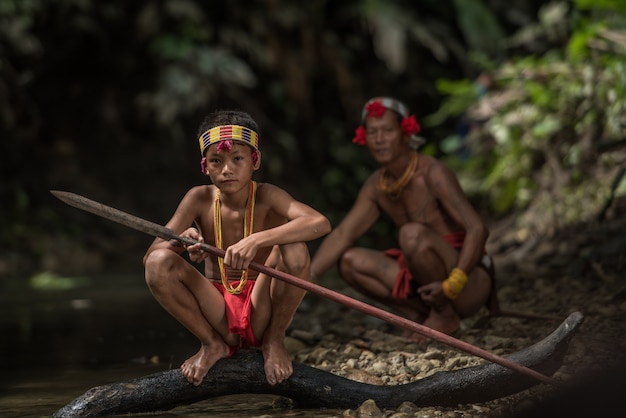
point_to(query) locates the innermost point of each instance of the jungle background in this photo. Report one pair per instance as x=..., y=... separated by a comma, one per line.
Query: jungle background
x=525, y=100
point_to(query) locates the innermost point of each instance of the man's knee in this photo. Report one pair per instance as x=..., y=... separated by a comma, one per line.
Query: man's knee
x=347, y=263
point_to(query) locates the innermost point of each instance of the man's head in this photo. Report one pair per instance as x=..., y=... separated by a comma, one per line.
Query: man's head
x=377, y=107
x=224, y=128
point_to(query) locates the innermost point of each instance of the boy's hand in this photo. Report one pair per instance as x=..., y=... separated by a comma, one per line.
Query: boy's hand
x=240, y=254
x=195, y=251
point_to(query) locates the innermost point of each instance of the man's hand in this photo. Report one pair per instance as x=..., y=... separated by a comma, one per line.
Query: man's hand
x=432, y=295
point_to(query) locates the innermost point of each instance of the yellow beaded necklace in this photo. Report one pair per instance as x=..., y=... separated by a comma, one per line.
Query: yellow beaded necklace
x=248, y=221
x=393, y=190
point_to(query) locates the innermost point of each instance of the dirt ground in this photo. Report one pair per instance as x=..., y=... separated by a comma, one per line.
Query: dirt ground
x=581, y=269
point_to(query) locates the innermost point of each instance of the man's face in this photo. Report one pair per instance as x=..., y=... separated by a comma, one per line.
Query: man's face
x=384, y=137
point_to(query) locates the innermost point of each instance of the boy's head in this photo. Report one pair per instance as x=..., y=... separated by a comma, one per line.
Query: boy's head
x=224, y=128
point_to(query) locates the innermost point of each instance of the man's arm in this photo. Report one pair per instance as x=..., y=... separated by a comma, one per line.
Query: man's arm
x=446, y=188
x=359, y=219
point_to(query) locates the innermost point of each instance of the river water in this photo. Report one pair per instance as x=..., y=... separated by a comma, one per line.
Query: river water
x=61, y=336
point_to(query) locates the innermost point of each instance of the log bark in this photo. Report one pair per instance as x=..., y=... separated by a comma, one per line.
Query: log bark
x=309, y=387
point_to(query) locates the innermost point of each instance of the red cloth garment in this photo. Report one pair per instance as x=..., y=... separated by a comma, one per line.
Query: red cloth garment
x=405, y=287
x=402, y=288
x=238, y=309
x=455, y=239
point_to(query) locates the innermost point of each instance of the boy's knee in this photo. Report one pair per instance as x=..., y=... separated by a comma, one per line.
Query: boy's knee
x=159, y=263
x=295, y=257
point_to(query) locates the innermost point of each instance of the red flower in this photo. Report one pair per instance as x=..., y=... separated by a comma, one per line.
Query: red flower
x=410, y=125
x=375, y=109
x=359, y=138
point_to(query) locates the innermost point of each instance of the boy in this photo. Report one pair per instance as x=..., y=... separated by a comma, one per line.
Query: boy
x=230, y=306
x=440, y=273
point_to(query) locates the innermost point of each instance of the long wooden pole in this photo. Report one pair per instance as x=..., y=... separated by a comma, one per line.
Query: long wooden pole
x=160, y=231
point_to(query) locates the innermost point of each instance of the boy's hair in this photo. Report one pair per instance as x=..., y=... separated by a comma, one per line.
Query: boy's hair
x=227, y=117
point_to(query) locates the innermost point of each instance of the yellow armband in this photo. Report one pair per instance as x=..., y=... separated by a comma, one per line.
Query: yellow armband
x=454, y=284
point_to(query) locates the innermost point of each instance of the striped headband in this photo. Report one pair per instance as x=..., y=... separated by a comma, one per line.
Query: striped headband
x=388, y=103
x=232, y=132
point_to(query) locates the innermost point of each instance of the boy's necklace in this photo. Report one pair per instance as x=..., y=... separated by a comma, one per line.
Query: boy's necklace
x=393, y=190
x=248, y=221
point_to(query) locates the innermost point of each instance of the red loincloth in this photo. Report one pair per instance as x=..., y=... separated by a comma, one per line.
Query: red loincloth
x=238, y=309
x=404, y=287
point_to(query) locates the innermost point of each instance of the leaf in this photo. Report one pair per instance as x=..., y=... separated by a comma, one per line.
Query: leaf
x=479, y=26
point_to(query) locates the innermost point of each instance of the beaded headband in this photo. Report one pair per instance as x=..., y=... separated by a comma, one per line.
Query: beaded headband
x=232, y=132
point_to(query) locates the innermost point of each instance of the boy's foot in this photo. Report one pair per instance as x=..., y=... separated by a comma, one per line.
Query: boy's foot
x=278, y=365
x=197, y=366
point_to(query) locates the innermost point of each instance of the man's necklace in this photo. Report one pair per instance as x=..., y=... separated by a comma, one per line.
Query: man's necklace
x=248, y=221
x=393, y=190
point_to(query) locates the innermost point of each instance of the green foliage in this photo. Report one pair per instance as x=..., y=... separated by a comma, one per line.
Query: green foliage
x=46, y=281
x=480, y=27
x=461, y=95
x=104, y=98
x=605, y=5
x=547, y=120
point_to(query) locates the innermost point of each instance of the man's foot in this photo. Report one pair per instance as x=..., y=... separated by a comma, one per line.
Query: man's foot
x=444, y=320
x=278, y=365
x=197, y=366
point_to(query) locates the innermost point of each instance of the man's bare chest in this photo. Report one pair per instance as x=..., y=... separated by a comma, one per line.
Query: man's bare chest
x=412, y=206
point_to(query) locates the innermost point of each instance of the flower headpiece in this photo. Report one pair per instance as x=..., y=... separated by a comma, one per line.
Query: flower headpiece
x=225, y=135
x=376, y=108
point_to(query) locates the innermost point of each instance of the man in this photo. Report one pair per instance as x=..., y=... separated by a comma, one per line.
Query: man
x=440, y=273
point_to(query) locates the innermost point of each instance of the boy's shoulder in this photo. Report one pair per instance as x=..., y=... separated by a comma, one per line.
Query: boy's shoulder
x=265, y=188
x=267, y=192
x=201, y=192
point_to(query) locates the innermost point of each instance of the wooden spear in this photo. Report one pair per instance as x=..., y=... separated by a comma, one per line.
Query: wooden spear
x=160, y=231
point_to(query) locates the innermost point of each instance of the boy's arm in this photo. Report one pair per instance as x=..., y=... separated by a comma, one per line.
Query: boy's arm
x=302, y=223
x=446, y=188
x=183, y=217
x=359, y=219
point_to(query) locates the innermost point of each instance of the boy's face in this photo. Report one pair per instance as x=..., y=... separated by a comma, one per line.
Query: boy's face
x=384, y=137
x=230, y=169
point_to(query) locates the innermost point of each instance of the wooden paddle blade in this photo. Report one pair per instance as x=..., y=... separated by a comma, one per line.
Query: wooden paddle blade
x=115, y=215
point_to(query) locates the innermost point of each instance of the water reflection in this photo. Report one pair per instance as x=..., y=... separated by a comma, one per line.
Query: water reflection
x=58, y=342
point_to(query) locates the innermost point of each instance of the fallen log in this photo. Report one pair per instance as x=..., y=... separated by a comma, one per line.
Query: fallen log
x=309, y=387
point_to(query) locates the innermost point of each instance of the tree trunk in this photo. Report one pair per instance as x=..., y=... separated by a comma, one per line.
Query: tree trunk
x=309, y=387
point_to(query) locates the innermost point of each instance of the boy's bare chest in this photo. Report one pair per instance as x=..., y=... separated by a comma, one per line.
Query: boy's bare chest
x=234, y=226
x=231, y=224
